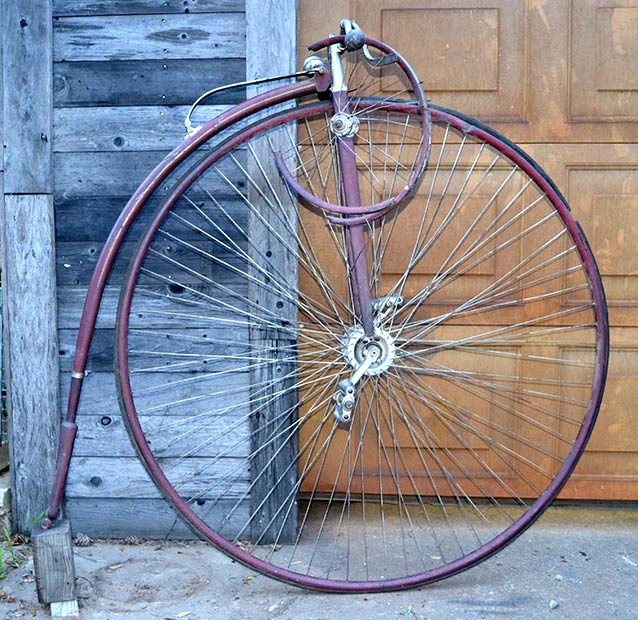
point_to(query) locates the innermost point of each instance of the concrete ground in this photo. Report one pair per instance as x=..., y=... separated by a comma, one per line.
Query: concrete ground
x=574, y=564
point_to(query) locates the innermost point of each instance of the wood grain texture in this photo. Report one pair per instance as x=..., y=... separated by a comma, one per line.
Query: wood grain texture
x=147, y=518
x=99, y=395
x=147, y=37
x=271, y=37
x=105, y=436
x=194, y=343
x=117, y=174
x=72, y=298
x=147, y=82
x=65, y=610
x=32, y=351
x=115, y=119
x=274, y=479
x=4, y=449
x=90, y=218
x=53, y=562
x=103, y=174
x=2, y=105
x=122, y=477
x=26, y=42
x=579, y=100
x=62, y=8
x=273, y=463
x=125, y=128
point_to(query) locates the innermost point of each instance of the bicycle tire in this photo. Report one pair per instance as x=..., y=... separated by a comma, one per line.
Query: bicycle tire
x=495, y=371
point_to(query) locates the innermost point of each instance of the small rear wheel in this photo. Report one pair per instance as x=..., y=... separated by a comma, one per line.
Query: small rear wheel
x=481, y=386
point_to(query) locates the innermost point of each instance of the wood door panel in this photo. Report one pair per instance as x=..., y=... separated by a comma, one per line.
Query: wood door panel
x=537, y=71
x=458, y=49
x=560, y=78
x=600, y=182
x=609, y=467
x=603, y=81
x=472, y=67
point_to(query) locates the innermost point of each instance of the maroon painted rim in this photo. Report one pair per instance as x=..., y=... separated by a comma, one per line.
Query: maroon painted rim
x=467, y=126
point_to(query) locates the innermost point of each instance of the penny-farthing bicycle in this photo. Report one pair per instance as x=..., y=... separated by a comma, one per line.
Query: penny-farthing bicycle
x=362, y=341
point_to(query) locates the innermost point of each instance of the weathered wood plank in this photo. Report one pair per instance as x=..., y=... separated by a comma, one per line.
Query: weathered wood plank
x=71, y=301
x=273, y=496
x=192, y=352
x=126, y=477
x=148, y=37
x=99, y=395
x=90, y=218
x=271, y=37
x=182, y=394
x=146, y=314
x=62, y=8
x=2, y=107
x=26, y=40
x=65, y=610
x=148, y=82
x=4, y=448
x=30, y=301
x=275, y=446
x=146, y=518
x=140, y=128
x=169, y=438
x=120, y=174
x=76, y=261
x=53, y=562
x=107, y=174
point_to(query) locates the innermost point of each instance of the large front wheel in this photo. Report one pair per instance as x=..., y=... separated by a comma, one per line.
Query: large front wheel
x=236, y=326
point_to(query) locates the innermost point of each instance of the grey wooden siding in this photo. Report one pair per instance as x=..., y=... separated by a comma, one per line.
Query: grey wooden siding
x=95, y=94
x=124, y=74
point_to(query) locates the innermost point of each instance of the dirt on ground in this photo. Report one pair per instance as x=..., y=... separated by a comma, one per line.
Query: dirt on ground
x=574, y=564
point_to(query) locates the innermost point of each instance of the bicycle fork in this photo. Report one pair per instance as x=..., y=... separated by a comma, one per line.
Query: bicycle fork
x=344, y=126
x=367, y=347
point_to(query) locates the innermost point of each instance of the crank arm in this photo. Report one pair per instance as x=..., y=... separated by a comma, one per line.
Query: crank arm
x=347, y=394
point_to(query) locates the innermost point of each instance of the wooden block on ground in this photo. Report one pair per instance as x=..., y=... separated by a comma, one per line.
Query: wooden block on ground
x=65, y=609
x=53, y=563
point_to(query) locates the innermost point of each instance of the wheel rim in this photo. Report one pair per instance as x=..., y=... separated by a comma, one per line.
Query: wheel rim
x=423, y=515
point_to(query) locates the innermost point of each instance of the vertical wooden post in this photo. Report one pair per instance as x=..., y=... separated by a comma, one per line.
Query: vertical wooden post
x=28, y=261
x=271, y=33
x=4, y=454
x=28, y=96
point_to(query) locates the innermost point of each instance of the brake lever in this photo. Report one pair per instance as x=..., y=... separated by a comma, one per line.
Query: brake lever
x=380, y=61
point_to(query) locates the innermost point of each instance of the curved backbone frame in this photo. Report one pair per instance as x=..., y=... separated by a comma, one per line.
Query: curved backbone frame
x=129, y=214
x=111, y=248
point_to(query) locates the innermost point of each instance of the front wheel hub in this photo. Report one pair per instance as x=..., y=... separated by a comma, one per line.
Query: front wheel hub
x=344, y=125
x=357, y=345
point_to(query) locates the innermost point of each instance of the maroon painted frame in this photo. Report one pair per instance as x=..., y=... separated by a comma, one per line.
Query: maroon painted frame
x=356, y=242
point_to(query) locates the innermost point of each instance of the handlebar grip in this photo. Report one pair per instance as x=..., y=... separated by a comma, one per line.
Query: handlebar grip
x=354, y=38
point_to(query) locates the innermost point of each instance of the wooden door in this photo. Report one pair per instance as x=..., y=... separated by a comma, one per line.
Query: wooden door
x=560, y=79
